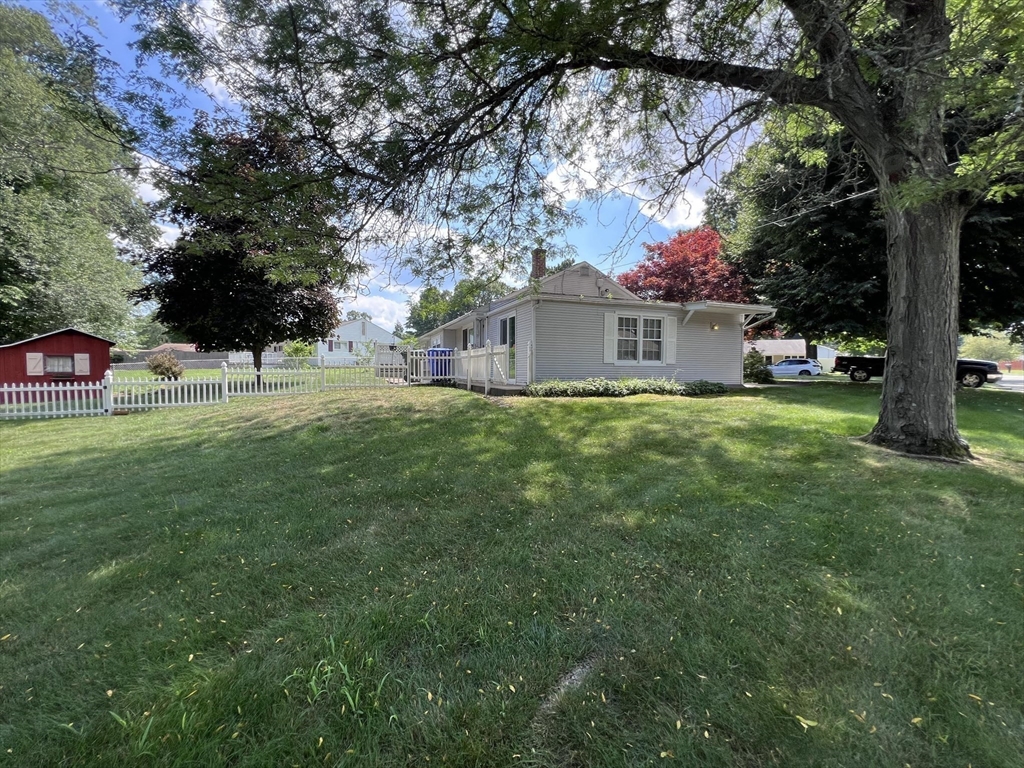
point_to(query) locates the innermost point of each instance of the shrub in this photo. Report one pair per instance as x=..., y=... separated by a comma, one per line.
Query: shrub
x=621, y=388
x=298, y=349
x=165, y=365
x=702, y=387
x=755, y=369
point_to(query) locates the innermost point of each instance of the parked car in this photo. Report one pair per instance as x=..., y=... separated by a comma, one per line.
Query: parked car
x=796, y=366
x=970, y=373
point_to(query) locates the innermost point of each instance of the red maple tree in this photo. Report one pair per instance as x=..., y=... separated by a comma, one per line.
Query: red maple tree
x=688, y=267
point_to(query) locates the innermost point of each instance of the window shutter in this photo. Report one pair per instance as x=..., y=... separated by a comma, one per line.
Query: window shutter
x=609, y=337
x=81, y=364
x=670, y=340
x=34, y=363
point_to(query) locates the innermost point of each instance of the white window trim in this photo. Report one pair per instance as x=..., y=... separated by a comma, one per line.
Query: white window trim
x=668, y=339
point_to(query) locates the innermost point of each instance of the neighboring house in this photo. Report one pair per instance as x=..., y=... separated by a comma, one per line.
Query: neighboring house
x=354, y=338
x=579, y=323
x=67, y=355
x=777, y=350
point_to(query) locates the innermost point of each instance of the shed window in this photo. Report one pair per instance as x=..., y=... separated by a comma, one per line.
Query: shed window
x=60, y=365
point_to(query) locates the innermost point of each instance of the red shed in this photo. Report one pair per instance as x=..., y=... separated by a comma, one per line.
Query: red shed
x=68, y=355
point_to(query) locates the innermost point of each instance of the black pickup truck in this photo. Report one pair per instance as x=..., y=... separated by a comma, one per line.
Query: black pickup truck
x=970, y=373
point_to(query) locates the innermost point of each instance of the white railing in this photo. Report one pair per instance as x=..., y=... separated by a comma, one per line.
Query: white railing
x=53, y=400
x=485, y=366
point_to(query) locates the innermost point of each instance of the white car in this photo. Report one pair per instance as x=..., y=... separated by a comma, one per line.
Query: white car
x=796, y=366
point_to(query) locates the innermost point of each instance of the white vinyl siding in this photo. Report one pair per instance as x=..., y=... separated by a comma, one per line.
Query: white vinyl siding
x=578, y=341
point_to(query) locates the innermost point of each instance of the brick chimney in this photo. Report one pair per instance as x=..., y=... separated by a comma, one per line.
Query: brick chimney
x=540, y=264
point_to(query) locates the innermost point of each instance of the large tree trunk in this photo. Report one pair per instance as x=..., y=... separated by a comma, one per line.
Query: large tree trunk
x=918, y=413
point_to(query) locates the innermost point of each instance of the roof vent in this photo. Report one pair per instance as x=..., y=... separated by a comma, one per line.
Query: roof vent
x=584, y=270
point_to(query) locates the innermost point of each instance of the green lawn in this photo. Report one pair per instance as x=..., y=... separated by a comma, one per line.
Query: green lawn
x=381, y=577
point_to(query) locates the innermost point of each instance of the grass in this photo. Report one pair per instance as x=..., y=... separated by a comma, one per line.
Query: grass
x=381, y=577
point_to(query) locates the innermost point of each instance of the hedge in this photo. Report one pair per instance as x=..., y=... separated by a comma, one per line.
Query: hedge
x=622, y=388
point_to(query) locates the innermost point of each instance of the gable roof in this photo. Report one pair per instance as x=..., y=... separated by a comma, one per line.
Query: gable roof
x=54, y=333
x=344, y=323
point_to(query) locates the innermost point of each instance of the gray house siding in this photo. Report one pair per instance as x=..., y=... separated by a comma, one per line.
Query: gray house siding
x=570, y=343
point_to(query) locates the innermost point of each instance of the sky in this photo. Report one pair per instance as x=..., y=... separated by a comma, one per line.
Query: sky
x=610, y=237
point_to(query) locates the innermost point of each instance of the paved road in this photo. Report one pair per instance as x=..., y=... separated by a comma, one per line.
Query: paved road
x=1014, y=384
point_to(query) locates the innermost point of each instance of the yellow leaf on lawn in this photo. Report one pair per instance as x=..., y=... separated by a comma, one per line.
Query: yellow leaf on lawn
x=916, y=720
x=805, y=723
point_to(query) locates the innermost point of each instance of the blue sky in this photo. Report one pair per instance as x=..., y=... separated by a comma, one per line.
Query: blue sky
x=610, y=237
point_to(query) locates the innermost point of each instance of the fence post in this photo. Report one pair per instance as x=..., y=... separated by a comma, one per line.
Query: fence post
x=108, y=393
x=224, y=381
x=323, y=373
x=488, y=366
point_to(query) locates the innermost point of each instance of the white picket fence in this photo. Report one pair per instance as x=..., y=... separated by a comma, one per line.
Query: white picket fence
x=53, y=401
x=391, y=365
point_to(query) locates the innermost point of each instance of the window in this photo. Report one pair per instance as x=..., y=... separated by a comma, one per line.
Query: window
x=626, y=346
x=652, y=339
x=639, y=339
x=350, y=347
x=60, y=365
x=330, y=345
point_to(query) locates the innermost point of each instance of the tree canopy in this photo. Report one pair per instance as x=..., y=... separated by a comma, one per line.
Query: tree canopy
x=803, y=222
x=68, y=208
x=688, y=267
x=221, y=284
x=437, y=306
x=447, y=120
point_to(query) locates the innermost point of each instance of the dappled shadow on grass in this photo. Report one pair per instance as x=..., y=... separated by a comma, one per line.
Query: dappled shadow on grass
x=730, y=567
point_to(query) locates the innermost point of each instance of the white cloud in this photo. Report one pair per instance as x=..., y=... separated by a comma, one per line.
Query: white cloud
x=385, y=312
x=686, y=212
x=169, y=233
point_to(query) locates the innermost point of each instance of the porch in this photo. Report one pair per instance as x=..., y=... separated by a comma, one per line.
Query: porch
x=491, y=369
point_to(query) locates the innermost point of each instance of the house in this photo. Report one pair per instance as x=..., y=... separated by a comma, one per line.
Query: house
x=354, y=338
x=579, y=323
x=67, y=355
x=775, y=350
x=185, y=353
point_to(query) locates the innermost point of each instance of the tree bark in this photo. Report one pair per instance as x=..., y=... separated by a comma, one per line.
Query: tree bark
x=257, y=363
x=918, y=411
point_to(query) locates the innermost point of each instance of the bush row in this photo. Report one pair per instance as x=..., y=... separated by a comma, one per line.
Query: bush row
x=622, y=388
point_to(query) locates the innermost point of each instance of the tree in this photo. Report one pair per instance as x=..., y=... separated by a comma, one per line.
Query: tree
x=803, y=223
x=686, y=268
x=220, y=285
x=67, y=202
x=991, y=346
x=436, y=306
x=451, y=115
x=354, y=314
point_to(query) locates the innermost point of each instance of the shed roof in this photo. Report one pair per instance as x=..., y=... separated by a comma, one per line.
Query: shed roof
x=55, y=333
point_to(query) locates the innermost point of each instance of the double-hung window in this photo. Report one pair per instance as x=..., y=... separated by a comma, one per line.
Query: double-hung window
x=639, y=339
x=651, y=348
